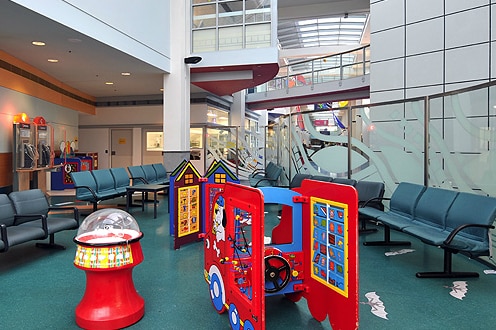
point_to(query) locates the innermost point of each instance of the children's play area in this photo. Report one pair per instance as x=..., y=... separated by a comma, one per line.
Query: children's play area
x=214, y=253
x=311, y=253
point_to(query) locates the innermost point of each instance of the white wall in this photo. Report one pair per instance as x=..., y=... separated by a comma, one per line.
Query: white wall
x=131, y=116
x=198, y=113
x=422, y=47
x=137, y=118
x=139, y=28
x=63, y=120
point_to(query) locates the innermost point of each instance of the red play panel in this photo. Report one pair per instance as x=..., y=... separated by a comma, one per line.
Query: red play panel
x=317, y=260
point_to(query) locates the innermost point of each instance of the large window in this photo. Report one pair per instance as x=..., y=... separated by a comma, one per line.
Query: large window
x=217, y=116
x=230, y=24
x=154, y=141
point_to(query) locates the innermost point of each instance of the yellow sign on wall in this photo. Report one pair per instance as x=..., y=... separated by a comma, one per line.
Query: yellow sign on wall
x=122, y=141
x=189, y=215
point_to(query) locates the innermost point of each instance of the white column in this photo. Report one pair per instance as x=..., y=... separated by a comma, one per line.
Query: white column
x=238, y=111
x=177, y=89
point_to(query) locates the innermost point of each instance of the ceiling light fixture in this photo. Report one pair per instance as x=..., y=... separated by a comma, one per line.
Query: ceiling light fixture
x=109, y=83
x=53, y=60
x=38, y=43
x=125, y=73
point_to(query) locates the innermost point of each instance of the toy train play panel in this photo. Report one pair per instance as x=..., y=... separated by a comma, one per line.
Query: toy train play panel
x=312, y=252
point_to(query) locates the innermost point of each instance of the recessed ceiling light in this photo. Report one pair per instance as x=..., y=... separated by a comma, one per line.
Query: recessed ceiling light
x=52, y=60
x=109, y=83
x=38, y=43
x=126, y=73
x=74, y=40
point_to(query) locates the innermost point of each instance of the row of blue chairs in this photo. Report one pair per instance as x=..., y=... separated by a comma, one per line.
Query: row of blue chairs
x=103, y=184
x=149, y=174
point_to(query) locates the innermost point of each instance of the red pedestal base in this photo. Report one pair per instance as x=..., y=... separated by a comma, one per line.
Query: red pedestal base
x=110, y=300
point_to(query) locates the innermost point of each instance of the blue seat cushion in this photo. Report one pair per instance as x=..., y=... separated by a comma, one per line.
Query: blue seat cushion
x=121, y=179
x=23, y=233
x=84, y=179
x=405, y=198
x=395, y=220
x=54, y=224
x=427, y=234
x=7, y=210
x=31, y=201
x=433, y=207
x=470, y=208
x=105, y=185
x=370, y=212
x=150, y=174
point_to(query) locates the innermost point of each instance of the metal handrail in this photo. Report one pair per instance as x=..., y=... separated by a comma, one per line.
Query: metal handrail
x=349, y=64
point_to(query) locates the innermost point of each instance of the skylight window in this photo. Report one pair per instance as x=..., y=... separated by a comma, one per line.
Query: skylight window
x=326, y=31
x=307, y=22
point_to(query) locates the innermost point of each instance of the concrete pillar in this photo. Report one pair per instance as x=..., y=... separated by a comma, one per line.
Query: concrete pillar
x=177, y=89
x=238, y=111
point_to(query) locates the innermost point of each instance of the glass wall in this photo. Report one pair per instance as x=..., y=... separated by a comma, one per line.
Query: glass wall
x=230, y=24
x=211, y=143
x=446, y=140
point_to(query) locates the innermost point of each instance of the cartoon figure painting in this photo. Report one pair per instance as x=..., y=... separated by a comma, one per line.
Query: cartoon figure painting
x=219, y=221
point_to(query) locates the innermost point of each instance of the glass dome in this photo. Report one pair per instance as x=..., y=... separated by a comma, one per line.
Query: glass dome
x=108, y=226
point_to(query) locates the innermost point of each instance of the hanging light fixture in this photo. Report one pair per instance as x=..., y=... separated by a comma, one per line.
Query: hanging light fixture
x=21, y=118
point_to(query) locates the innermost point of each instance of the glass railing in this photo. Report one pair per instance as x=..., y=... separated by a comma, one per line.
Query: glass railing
x=216, y=143
x=320, y=70
x=445, y=140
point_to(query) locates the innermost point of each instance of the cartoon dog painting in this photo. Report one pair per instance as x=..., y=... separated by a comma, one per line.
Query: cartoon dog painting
x=220, y=220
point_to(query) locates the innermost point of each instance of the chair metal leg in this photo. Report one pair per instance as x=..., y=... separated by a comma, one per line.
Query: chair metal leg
x=387, y=240
x=51, y=244
x=363, y=228
x=447, y=271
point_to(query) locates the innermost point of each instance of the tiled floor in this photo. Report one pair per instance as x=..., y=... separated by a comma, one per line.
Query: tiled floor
x=40, y=289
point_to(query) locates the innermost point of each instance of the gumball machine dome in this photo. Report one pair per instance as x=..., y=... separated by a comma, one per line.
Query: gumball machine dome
x=108, y=226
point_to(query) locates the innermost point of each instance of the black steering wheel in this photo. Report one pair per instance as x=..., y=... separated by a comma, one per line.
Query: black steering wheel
x=277, y=273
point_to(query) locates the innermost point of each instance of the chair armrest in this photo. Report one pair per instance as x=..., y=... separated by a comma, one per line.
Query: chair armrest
x=375, y=199
x=93, y=193
x=143, y=180
x=262, y=180
x=258, y=172
x=3, y=234
x=455, y=232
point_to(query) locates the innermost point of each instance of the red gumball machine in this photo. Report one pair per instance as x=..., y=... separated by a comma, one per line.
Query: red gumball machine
x=108, y=249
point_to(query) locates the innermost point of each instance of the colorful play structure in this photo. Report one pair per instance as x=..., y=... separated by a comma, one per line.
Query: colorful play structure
x=311, y=253
x=190, y=197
